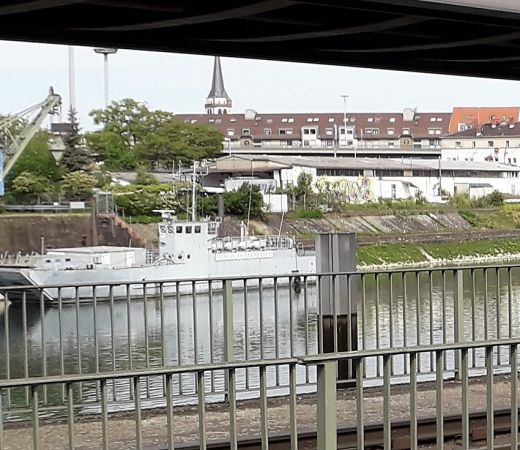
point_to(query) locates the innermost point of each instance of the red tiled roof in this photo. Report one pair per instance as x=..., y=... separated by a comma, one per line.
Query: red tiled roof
x=419, y=126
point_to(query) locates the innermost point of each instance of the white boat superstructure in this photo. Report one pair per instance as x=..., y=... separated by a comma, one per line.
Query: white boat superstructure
x=187, y=250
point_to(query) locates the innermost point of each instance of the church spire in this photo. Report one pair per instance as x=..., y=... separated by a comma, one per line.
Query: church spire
x=218, y=101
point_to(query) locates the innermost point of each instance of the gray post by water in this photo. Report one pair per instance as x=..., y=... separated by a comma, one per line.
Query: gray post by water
x=336, y=253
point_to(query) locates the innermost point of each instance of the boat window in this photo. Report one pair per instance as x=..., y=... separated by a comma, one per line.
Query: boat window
x=197, y=228
x=188, y=230
x=163, y=229
x=67, y=259
x=48, y=260
x=170, y=230
x=179, y=230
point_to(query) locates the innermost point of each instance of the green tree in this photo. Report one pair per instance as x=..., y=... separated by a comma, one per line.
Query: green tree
x=77, y=185
x=28, y=187
x=76, y=156
x=177, y=141
x=36, y=159
x=133, y=133
x=143, y=177
x=245, y=202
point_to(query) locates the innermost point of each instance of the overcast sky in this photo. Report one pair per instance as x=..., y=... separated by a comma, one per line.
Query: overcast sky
x=180, y=83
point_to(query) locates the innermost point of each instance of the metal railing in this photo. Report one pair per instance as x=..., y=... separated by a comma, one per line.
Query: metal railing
x=234, y=422
x=139, y=326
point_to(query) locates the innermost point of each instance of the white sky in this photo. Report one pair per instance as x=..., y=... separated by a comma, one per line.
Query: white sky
x=180, y=83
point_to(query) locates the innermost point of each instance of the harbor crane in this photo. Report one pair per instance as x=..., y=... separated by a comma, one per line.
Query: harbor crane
x=13, y=143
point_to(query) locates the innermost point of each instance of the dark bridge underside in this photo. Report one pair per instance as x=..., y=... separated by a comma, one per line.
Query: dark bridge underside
x=417, y=35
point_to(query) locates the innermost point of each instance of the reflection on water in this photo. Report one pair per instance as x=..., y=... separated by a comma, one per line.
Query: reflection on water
x=155, y=332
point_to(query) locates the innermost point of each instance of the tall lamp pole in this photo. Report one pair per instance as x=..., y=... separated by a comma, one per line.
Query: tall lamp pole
x=105, y=52
x=345, y=96
x=72, y=80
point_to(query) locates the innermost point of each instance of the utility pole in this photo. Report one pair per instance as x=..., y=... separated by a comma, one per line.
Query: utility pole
x=105, y=52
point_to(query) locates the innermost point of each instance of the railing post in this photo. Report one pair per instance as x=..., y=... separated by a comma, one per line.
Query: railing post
x=336, y=253
x=326, y=406
x=229, y=353
x=458, y=308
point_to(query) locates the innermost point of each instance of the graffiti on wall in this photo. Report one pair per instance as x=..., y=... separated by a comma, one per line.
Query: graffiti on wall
x=347, y=190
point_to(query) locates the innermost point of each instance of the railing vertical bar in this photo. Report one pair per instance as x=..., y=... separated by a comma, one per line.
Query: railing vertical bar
x=169, y=412
x=163, y=331
x=70, y=415
x=413, y=400
x=264, y=426
x=146, y=336
x=201, y=395
x=486, y=299
x=306, y=325
x=35, y=417
x=430, y=299
x=293, y=426
x=490, y=427
x=387, y=420
x=211, y=333
x=418, y=308
x=104, y=414
x=291, y=316
x=112, y=340
x=44, y=345
x=60, y=334
x=246, y=331
x=129, y=333
x=178, y=323
x=359, y=404
x=195, y=321
x=465, y=398
x=320, y=314
x=334, y=313
x=473, y=317
x=95, y=329
x=498, y=309
x=405, y=333
x=136, y=381
x=232, y=396
x=378, y=326
x=2, y=420
x=458, y=308
x=7, y=346
x=513, y=358
x=510, y=302
x=261, y=312
x=391, y=315
x=276, y=327
x=444, y=316
x=78, y=340
x=363, y=320
x=439, y=405
x=25, y=346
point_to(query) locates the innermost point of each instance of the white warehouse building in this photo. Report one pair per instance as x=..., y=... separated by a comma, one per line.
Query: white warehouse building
x=361, y=180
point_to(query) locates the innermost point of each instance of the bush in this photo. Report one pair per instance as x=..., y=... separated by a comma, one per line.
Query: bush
x=144, y=219
x=237, y=203
x=308, y=214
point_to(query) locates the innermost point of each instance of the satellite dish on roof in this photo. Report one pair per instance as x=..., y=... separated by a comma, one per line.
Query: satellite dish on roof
x=250, y=114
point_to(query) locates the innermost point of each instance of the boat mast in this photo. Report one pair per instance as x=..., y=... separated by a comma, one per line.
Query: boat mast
x=194, y=193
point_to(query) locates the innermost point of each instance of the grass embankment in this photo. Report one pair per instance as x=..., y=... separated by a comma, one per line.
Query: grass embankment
x=411, y=253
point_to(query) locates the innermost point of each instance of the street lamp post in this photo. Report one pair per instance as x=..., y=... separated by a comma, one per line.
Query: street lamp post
x=105, y=52
x=345, y=96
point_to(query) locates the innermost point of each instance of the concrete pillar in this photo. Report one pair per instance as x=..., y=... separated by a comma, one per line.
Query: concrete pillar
x=336, y=253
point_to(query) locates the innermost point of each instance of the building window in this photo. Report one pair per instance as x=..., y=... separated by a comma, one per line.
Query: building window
x=390, y=131
x=267, y=131
x=289, y=143
x=392, y=119
x=406, y=130
x=491, y=144
x=246, y=131
x=474, y=144
x=458, y=144
x=331, y=119
x=391, y=144
x=371, y=130
x=230, y=132
x=329, y=131
x=329, y=143
x=507, y=143
x=285, y=131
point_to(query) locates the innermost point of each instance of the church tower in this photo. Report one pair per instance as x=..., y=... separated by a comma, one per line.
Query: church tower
x=218, y=101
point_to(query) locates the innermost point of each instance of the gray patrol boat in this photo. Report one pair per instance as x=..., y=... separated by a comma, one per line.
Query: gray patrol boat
x=188, y=250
